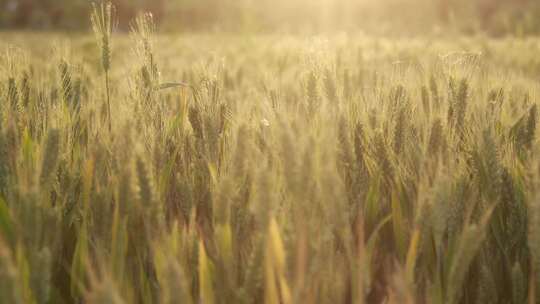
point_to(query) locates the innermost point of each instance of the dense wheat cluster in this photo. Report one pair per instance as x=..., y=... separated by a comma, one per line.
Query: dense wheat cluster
x=145, y=168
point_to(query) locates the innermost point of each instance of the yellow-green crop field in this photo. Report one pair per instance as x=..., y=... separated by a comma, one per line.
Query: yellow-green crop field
x=229, y=168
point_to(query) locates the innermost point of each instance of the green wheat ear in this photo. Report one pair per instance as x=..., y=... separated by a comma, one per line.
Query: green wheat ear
x=102, y=24
x=143, y=30
x=146, y=191
x=25, y=90
x=195, y=118
x=51, y=155
x=531, y=126
x=66, y=81
x=13, y=95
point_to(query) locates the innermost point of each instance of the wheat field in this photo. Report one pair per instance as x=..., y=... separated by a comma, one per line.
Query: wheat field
x=201, y=168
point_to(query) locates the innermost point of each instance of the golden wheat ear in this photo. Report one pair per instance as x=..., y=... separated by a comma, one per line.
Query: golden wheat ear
x=103, y=23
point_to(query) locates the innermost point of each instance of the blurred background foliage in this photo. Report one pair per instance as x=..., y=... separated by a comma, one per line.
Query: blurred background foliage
x=495, y=17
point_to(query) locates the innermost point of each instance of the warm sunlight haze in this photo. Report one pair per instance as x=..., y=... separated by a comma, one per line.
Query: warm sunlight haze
x=269, y=152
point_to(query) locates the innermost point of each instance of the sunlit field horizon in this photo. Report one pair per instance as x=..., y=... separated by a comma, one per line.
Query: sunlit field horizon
x=271, y=151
